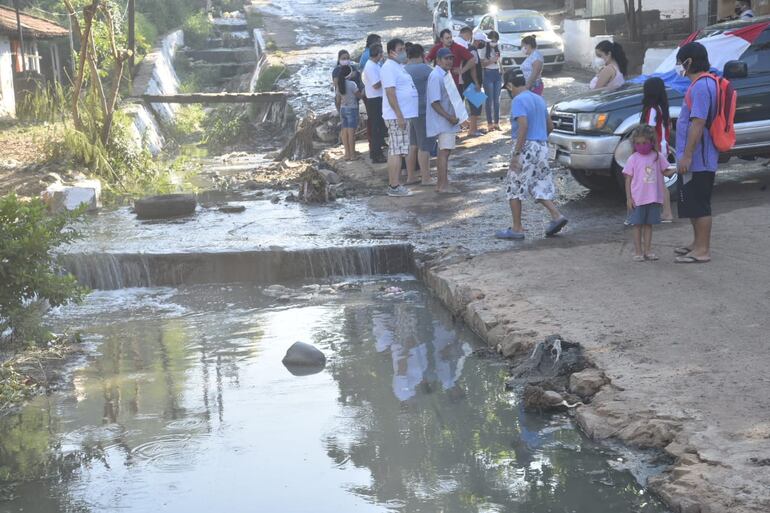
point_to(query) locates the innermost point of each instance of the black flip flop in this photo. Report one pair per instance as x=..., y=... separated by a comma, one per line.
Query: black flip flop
x=682, y=251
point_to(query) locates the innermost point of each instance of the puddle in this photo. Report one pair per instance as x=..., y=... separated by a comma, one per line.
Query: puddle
x=185, y=406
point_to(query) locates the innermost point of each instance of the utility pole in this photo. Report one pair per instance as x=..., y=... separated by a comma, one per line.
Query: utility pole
x=21, y=36
x=131, y=34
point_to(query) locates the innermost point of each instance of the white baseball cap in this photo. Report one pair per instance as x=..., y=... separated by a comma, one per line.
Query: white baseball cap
x=480, y=36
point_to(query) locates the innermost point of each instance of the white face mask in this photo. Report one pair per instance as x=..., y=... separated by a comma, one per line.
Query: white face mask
x=679, y=70
x=345, y=62
x=598, y=63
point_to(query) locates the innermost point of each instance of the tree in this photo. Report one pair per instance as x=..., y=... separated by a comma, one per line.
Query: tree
x=633, y=18
x=98, y=12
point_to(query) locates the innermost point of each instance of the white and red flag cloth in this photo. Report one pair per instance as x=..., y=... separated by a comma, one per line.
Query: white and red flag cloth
x=722, y=46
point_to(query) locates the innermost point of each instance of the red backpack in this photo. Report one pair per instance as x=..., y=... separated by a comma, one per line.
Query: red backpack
x=720, y=124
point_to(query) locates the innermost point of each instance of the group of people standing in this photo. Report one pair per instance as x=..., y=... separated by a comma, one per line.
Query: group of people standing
x=410, y=101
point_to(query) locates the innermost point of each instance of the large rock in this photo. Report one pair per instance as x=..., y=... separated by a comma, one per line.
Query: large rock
x=586, y=383
x=303, y=359
x=60, y=197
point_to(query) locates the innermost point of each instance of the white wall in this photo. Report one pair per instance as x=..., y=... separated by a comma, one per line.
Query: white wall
x=7, y=96
x=579, y=46
x=673, y=8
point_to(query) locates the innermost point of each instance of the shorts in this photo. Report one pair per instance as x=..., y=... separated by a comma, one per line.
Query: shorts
x=447, y=141
x=694, y=197
x=349, y=117
x=418, y=135
x=398, y=139
x=645, y=214
x=534, y=179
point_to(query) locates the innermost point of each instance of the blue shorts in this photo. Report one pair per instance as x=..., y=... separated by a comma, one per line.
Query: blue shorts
x=349, y=117
x=645, y=214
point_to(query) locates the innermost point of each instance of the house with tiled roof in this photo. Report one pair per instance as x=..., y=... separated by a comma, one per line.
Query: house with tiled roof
x=39, y=54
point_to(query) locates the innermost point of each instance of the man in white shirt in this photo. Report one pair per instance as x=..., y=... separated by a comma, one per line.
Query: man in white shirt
x=373, y=87
x=440, y=117
x=464, y=39
x=743, y=10
x=399, y=106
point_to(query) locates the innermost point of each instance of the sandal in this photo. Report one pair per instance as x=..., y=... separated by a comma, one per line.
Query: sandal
x=638, y=258
x=684, y=250
x=689, y=259
x=652, y=257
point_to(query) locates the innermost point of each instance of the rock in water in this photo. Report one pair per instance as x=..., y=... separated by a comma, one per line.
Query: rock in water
x=303, y=359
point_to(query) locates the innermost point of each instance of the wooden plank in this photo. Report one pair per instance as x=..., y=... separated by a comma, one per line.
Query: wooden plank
x=256, y=98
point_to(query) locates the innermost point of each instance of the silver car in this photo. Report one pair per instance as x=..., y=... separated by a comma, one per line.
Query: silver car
x=513, y=25
x=456, y=14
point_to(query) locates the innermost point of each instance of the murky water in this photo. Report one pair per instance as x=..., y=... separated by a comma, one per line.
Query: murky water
x=185, y=406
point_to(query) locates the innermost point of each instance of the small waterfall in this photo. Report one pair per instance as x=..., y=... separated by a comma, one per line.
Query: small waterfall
x=109, y=271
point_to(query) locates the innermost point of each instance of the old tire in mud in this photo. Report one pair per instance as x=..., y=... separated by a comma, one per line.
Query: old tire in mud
x=594, y=181
x=165, y=206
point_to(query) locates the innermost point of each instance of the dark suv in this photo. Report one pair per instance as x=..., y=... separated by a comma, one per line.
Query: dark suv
x=589, y=129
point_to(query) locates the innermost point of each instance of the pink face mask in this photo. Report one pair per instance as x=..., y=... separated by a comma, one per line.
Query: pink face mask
x=643, y=148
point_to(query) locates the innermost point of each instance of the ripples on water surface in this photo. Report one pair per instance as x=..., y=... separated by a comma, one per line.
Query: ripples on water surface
x=186, y=407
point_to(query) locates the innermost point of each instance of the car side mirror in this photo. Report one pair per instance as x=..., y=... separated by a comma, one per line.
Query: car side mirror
x=736, y=69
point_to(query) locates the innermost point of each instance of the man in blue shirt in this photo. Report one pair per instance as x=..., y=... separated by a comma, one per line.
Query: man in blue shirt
x=529, y=174
x=697, y=156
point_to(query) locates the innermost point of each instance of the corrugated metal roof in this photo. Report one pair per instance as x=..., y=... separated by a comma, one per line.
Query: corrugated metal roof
x=32, y=26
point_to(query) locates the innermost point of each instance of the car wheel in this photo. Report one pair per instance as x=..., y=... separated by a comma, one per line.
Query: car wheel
x=594, y=181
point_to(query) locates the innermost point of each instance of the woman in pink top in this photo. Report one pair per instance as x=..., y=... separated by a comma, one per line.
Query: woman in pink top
x=644, y=195
x=614, y=67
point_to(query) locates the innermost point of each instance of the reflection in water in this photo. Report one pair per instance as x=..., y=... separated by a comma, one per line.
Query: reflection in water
x=187, y=407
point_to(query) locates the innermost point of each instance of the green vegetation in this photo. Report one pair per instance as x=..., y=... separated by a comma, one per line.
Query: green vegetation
x=28, y=269
x=197, y=30
x=188, y=123
x=226, y=126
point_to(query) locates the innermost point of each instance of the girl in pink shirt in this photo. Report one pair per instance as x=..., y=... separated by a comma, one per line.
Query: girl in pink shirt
x=655, y=114
x=644, y=173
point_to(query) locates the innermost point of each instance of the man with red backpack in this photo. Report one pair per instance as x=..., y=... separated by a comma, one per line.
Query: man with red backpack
x=703, y=129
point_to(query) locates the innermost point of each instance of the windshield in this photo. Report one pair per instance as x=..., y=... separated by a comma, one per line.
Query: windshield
x=470, y=7
x=521, y=23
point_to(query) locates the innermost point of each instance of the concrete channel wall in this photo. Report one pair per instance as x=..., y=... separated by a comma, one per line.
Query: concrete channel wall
x=155, y=75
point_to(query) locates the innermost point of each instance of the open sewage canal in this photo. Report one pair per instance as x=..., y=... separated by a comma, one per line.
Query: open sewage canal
x=183, y=404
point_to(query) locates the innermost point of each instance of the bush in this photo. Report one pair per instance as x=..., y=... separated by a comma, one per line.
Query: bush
x=227, y=126
x=187, y=122
x=197, y=30
x=28, y=271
